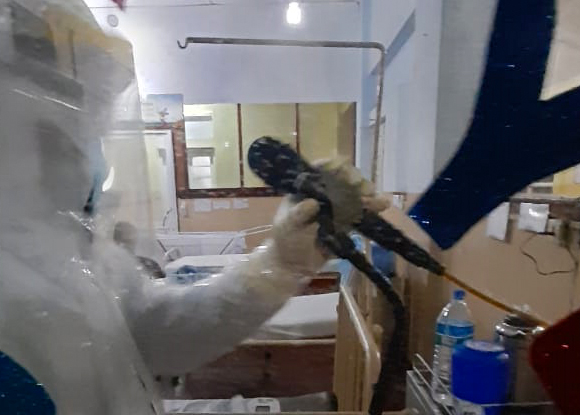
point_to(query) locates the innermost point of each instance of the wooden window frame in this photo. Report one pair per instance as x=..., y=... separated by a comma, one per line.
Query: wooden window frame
x=180, y=163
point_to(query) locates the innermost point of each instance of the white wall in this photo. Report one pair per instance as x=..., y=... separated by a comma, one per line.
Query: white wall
x=465, y=32
x=387, y=17
x=411, y=79
x=249, y=74
x=421, y=143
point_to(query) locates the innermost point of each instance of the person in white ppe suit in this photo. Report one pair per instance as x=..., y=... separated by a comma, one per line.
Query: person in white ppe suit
x=75, y=313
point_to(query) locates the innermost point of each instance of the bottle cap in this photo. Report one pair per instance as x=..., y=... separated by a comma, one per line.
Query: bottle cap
x=484, y=347
x=458, y=295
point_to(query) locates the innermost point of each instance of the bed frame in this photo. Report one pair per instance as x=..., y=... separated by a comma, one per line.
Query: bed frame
x=348, y=365
x=357, y=356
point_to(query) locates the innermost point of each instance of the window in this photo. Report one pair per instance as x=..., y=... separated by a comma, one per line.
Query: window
x=211, y=137
x=217, y=139
x=327, y=130
x=200, y=168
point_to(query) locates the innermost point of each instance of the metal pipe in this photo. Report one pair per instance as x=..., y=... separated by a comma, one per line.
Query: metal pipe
x=379, y=108
x=314, y=44
x=281, y=42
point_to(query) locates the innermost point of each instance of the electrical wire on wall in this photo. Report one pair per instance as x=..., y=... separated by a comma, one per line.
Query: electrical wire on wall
x=572, y=270
x=541, y=272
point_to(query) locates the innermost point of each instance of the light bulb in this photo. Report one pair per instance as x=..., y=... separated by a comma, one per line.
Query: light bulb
x=294, y=13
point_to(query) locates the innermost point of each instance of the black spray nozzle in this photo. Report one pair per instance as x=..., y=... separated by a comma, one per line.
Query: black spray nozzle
x=282, y=168
x=277, y=164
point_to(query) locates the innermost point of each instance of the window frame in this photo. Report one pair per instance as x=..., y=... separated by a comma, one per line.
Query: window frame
x=182, y=181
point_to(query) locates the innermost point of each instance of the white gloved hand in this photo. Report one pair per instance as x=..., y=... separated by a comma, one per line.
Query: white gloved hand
x=294, y=233
x=294, y=236
x=350, y=190
x=373, y=201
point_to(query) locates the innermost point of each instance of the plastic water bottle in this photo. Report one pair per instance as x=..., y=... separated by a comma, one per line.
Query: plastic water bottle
x=454, y=326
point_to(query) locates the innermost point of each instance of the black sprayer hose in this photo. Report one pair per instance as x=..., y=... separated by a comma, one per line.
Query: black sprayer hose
x=386, y=235
x=392, y=354
x=341, y=245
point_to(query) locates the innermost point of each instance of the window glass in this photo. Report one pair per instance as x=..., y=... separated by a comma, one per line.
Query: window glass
x=211, y=135
x=326, y=130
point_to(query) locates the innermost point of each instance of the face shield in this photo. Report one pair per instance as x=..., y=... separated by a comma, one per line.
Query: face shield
x=71, y=136
x=72, y=164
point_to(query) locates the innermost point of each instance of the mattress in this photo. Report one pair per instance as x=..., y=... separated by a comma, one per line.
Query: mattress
x=303, y=317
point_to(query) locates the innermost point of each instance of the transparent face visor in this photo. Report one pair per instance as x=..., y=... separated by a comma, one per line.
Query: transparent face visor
x=72, y=166
x=79, y=145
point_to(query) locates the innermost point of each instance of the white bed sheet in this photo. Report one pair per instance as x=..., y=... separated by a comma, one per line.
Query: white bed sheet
x=303, y=317
x=204, y=261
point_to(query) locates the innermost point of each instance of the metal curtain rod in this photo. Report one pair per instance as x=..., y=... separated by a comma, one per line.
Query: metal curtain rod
x=282, y=42
x=314, y=44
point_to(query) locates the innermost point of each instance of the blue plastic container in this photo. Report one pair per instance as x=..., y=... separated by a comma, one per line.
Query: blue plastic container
x=480, y=376
x=188, y=274
x=383, y=259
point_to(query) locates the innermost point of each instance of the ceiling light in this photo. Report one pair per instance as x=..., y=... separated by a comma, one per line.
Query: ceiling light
x=294, y=13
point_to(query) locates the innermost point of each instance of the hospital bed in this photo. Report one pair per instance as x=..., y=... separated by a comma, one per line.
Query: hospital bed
x=177, y=245
x=296, y=343
x=318, y=342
